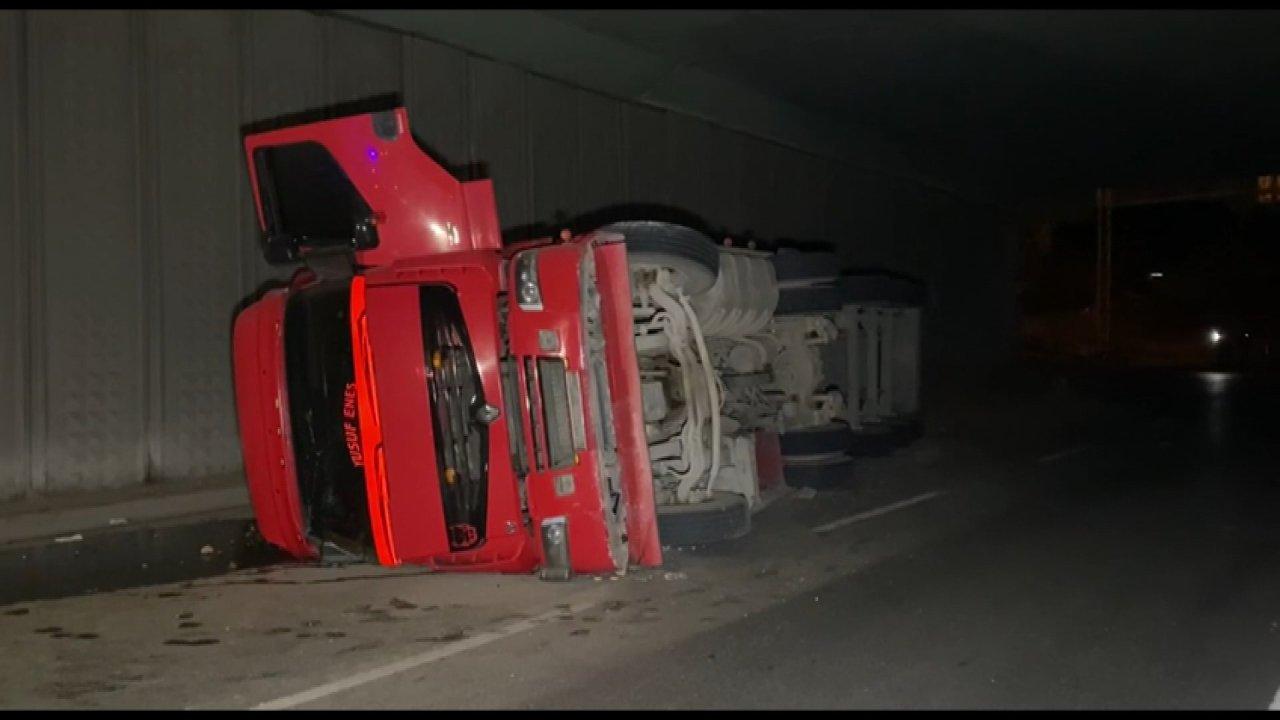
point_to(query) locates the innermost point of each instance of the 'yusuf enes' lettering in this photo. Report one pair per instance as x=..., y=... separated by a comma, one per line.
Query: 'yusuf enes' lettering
x=350, y=431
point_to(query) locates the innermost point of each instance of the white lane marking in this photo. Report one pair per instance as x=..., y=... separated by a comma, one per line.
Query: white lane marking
x=1275, y=701
x=440, y=653
x=1052, y=457
x=878, y=511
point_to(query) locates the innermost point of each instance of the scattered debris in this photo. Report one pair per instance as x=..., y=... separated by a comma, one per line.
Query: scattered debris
x=17, y=611
x=447, y=637
x=669, y=575
x=399, y=604
x=69, y=538
x=806, y=493
x=207, y=550
x=368, y=645
x=118, y=521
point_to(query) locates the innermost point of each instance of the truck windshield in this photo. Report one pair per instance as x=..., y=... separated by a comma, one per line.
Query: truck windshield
x=323, y=413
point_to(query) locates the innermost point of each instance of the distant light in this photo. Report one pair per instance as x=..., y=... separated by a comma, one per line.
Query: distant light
x=1215, y=336
x=372, y=154
x=1217, y=382
x=1156, y=274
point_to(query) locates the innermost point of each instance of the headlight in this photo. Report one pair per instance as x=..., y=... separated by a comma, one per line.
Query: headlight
x=528, y=292
x=1215, y=336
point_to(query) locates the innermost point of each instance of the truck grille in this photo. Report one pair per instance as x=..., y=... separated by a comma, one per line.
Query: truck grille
x=455, y=392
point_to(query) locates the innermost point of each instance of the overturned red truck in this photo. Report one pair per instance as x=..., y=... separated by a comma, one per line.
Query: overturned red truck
x=419, y=393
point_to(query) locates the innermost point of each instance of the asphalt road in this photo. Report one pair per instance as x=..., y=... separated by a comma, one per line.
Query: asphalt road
x=1142, y=572
x=1110, y=543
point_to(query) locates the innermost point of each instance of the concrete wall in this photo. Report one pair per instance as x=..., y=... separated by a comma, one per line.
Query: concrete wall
x=126, y=235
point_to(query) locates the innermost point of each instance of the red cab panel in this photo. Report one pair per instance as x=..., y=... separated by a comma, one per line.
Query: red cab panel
x=262, y=405
x=421, y=363
x=403, y=204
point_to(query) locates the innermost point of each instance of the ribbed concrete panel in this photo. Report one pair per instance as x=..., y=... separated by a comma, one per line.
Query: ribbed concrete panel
x=132, y=238
x=917, y=217
x=726, y=164
x=500, y=137
x=812, y=180
x=860, y=218
x=435, y=94
x=689, y=148
x=648, y=172
x=760, y=178
x=553, y=138
x=784, y=206
x=360, y=62
x=284, y=64
x=842, y=213
x=84, y=79
x=282, y=74
x=194, y=164
x=793, y=196
x=601, y=180
x=13, y=265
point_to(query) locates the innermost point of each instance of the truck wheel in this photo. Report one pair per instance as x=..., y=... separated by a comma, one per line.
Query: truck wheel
x=820, y=440
x=881, y=289
x=794, y=268
x=874, y=440
x=724, y=517
x=690, y=255
x=815, y=300
x=823, y=476
x=908, y=431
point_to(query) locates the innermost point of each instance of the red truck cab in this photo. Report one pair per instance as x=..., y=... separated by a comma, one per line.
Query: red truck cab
x=420, y=394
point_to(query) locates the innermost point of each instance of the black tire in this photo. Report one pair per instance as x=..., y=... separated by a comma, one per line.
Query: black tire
x=828, y=476
x=883, y=438
x=821, y=440
x=724, y=517
x=691, y=254
x=881, y=290
x=876, y=439
x=908, y=431
x=817, y=300
x=792, y=266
